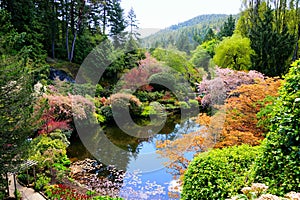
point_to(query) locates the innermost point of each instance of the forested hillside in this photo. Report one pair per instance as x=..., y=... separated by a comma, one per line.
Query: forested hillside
x=187, y=35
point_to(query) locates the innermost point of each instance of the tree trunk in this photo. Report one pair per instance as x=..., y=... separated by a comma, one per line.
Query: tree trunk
x=7, y=183
x=73, y=47
x=15, y=185
x=104, y=18
x=67, y=32
x=80, y=17
x=53, y=31
x=295, y=56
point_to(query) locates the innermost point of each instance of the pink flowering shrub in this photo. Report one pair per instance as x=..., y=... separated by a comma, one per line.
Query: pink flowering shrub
x=64, y=192
x=216, y=90
x=123, y=99
x=139, y=77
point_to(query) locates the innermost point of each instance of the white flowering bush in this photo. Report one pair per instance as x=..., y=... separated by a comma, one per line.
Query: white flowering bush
x=258, y=191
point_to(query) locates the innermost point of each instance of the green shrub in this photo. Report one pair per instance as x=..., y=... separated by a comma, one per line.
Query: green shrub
x=99, y=90
x=24, y=178
x=163, y=80
x=59, y=135
x=2, y=195
x=167, y=101
x=106, y=111
x=59, y=167
x=194, y=104
x=219, y=173
x=154, y=108
x=279, y=165
x=41, y=182
x=148, y=110
x=183, y=105
x=47, y=151
x=17, y=193
x=145, y=96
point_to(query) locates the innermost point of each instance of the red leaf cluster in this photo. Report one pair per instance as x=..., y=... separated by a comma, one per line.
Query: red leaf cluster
x=137, y=78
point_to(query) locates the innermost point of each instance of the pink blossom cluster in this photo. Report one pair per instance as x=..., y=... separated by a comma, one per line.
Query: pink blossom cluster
x=216, y=90
x=138, y=77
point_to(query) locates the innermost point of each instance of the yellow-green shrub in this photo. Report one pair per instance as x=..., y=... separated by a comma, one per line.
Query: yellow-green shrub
x=219, y=173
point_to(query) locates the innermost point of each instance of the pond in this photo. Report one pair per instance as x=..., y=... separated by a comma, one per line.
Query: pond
x=146, y=176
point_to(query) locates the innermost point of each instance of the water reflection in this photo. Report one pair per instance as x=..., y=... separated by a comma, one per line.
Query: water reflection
x=145, y=174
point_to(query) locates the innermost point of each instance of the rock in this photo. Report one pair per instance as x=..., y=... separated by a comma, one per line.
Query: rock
x=61, y=75
x=50, y=60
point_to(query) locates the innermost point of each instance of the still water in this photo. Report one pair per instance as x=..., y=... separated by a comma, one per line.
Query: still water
x=145, y=177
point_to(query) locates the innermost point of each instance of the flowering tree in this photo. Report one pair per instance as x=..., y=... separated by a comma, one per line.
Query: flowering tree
x=139, y=77
x=216, y=90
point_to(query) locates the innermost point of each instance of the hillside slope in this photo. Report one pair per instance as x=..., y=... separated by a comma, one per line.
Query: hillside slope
x=185, y=36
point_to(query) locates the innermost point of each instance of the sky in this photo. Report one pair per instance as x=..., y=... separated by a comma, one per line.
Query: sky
x=164, y=13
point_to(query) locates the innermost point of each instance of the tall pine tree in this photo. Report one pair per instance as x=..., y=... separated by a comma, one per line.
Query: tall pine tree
x=16, y=99
x=272, y=48
x=228, y=28
x=117, y=24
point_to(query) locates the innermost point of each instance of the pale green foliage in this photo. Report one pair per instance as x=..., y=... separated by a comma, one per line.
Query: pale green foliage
x=234, y=53
x=200, y=57
x=173, y=58
x=178, y=61
x=219, y=173
x=47, y=151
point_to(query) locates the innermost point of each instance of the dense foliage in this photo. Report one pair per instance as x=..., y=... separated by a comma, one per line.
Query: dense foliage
x=278, y=167
x=17, y=118
x=61, y=191
x=241, y=123
x=214, y=91
x=272, y=27
x=68, y=30
x=234, y=53
x=219, y=173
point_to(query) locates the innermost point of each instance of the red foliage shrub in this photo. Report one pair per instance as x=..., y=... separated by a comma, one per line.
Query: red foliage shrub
x=137, y=78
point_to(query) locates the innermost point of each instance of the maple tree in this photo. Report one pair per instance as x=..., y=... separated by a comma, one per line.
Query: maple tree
x=138, y=78
x=240, y=126
x=196, y=142
x=61, y=109
x=175, y=151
